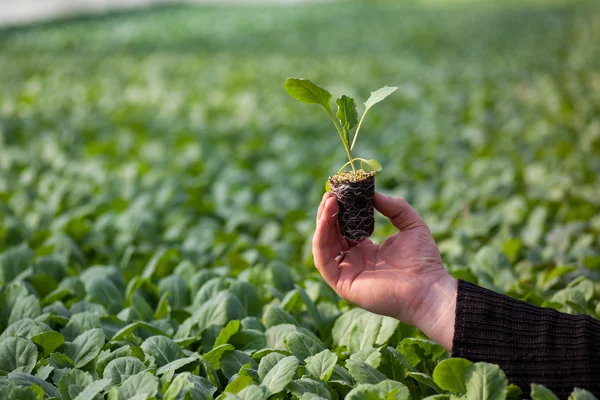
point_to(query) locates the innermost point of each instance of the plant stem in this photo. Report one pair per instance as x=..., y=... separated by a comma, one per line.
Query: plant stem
x=346, y=146
x=358, y=129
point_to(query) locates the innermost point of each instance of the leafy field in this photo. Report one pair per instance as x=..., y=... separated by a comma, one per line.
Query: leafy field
x=158, y=191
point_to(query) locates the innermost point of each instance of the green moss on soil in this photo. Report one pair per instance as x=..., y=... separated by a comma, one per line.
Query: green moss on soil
x=351, y=176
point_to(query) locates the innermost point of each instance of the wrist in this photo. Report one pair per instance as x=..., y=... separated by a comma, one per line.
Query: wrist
x=437, y=310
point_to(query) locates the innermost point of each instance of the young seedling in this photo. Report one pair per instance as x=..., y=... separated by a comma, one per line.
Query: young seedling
x=354, y=189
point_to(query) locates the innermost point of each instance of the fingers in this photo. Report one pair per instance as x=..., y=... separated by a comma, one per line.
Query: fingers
x=322, y=205
x=400, y=213
x=326, y=242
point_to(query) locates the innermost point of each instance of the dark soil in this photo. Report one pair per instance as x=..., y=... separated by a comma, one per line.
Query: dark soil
x=355, y=192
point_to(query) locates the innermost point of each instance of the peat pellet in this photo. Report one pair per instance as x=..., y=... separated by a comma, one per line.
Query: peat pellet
x=355, y=192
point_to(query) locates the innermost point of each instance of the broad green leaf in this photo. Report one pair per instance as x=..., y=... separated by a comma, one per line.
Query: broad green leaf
x=252, y=392
x=541, y=392
x=163, y=349
x=24, y=379
x=14, y=392
x=485, y=382
x=307, y=385
x=227, y=332
x=179, y=293
x=118, y=370
x=347, y=114
x=393, y=390
x=180, y=384
x=370, y=356
x=49, y=341
x=581, y=394
x=17, y=355
x=307, y=92
x=107, y=356
x=267, y=363
x=302, y=346
x=179, y=363
x=144, y=384
x=249, y=340
x=232, y=362
x=371, y=165
x=214, y=356
x=85, y=347
x=364, y=373
x=79, y=324
x=424, y=379
x=310, y=306
x=379, y=95
x=321, y=365
x=238, y=383
x=219, y=311
x=280, y=375
x=26, y=307
x=126, y=330
x=276, y=316
x=450, y=374
x=74, y=377
x=93, y=389
x=14, y=261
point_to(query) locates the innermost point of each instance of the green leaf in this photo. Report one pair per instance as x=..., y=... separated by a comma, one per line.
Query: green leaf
x=307, y=92
x=214, y=356
x=144, y=384
x=581, y=394
x=74, y=377
x=49, y=341
x=424, y=379
x=364, y=373
x=328, y=186
x=118, y=370
x=450, y=374
x=252, y=393
x=302, y=346
x=379, y=95
x=14, y=392
x=126, y=330
x=321, y=365
x=311, y=386
x=26, y=307
x=85, y=347
x=179, y=363
x=393, y=390
x=178, y=290
x=541, y=392
x=371, y=165
x=280, y=375
x=347, y=114
x=24, y=379
x=219, y=311
x=17, y=355
x=93, y=389
x=14, y=261
x=226, y=333
x=232, y=362
x=180, y=384
x=276, y=316
x=163, y=349
x=485, y=382
x=267, y=363
x=239, y=383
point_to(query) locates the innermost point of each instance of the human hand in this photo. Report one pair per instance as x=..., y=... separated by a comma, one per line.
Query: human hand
x=404, y=277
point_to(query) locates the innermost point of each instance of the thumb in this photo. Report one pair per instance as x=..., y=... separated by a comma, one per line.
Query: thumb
x=400, y=213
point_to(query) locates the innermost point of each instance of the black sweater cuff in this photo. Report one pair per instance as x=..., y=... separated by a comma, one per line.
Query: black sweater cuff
x=531, y=344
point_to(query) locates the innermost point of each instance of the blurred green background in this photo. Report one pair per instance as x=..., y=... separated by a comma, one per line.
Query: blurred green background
x=168, y=129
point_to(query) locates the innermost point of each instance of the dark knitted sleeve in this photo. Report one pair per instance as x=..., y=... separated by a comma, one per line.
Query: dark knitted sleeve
x=531, y=344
